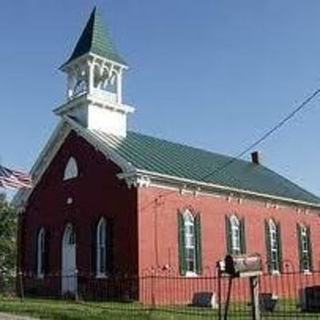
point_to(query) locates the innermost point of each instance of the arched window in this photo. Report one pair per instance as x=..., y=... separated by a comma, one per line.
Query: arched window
x=189, y=243
x=235, y=235
x=71, y=169
x=305, y=253
x=274, y=246
x=101, y=254
x=41, y=253
x=189, y=240
x=69, y=237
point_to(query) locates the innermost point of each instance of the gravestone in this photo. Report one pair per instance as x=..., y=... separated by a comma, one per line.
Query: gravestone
x=267, y=302
x=310, y=299
x=205, y=300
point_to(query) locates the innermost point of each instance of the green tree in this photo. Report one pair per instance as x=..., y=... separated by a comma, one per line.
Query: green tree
x=8, y=232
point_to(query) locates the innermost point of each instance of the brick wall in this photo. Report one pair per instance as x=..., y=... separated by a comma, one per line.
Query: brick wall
x=96, y=192
x=158, y=229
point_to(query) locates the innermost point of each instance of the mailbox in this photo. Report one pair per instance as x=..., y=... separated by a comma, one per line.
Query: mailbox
x=248, y=265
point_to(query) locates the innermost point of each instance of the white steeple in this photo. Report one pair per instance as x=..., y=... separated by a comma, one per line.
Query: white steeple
x=94, y=85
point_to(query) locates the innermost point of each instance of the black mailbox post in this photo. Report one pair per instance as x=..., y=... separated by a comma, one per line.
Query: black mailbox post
x=241, y=266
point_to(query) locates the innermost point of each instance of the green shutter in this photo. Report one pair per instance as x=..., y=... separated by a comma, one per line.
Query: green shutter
x=197, y=228
x=182, y=253
x=268, y=247
x=243, y=236
x=228, y=235
x=310, y=248
x=279, y=238
x=300, y=247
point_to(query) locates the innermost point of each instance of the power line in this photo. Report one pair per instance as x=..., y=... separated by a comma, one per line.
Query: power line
x=268, y=133
x=271, y=131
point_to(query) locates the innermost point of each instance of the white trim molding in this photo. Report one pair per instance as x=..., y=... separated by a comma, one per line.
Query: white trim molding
x=163, y=180
x=135, y=180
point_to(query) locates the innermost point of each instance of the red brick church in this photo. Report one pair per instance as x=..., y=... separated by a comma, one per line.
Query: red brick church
x=108, y=202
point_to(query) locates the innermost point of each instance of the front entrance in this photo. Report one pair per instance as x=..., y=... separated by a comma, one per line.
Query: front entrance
x=69, y=276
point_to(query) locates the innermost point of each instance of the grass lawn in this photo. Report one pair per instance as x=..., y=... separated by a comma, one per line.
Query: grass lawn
x=70, y=310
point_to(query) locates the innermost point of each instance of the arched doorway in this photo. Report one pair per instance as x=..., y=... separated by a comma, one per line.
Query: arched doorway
x=69, y=276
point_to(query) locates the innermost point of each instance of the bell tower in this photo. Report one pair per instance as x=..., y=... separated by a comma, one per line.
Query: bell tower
x=94, y=81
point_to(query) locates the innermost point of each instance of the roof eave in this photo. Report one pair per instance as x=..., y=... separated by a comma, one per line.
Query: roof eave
x=43, y=160
x=163, y=178
x=72, y=62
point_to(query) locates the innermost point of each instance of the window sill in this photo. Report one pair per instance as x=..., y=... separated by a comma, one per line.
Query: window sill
x=40, y=276
x=101, y=276
x=275, y=273
x=191, y=274
x=69, y=180
x=307, y=272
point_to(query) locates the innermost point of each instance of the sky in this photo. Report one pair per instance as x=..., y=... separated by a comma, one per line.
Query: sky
x=214, y=74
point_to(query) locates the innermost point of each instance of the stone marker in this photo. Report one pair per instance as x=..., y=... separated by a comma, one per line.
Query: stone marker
x=205, y=299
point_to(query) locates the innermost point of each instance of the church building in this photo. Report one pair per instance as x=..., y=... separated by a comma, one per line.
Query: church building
x=109, y=203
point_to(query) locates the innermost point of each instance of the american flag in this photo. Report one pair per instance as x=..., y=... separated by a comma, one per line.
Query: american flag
x=14, y=179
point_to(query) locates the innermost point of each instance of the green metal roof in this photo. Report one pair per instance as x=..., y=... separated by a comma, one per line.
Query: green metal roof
x=177, y=160
x=95, y=39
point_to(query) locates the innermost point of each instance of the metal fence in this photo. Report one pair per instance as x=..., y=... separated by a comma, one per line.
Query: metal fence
x=289, y=295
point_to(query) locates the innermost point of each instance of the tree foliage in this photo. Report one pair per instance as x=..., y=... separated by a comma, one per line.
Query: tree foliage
x=8, y=232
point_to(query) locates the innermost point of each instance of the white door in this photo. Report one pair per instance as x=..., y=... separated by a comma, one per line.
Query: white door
x=69, y=276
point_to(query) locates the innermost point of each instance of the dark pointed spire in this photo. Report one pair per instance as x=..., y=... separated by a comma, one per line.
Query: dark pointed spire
x=96, y=39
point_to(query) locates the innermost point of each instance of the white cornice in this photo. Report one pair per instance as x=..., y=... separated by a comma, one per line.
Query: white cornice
x=156, y=179
x=135, y=180
x=85, y=99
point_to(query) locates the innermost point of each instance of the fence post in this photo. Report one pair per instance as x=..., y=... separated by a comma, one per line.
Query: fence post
x=153, y=298
x=226, y=309
x=219, y=293
x=21, y=286
x=254, y=289
x=76, y=294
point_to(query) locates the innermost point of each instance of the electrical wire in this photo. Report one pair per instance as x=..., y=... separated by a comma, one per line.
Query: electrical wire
x=271, y=131
x=268, y=133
